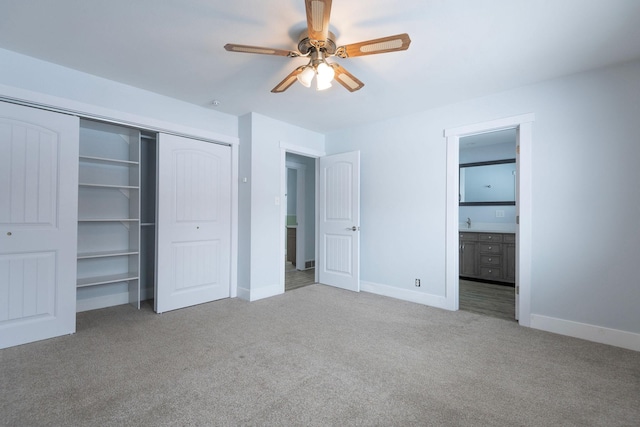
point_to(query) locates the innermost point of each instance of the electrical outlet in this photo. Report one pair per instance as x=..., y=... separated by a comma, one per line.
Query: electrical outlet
x=417, y=283
x=500, y=213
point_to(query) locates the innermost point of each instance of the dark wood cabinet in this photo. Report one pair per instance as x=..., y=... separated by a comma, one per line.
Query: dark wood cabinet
x=468, y=245
x=489, y=256
x=291, y=245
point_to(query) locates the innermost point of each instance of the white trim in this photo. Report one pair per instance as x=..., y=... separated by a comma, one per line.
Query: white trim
x=307, y=152
x=615, y=337
x=266, y=292
x=490, y=126
x=452, y=224
x=233, y=285
x=524, y=234
x=301, y=171
x=244, y=293
x=81, y=109
x=303, y=151
x=403, y=294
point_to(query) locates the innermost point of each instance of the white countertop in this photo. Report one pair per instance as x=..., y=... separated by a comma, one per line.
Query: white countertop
x=483, y=227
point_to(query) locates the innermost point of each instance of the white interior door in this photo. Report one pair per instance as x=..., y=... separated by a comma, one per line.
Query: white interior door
x=517, y=287
x=38, y=224
x=339, y=222
x=194, y=222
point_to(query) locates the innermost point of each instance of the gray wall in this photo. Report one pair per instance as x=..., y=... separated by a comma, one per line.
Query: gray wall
x=586, y=197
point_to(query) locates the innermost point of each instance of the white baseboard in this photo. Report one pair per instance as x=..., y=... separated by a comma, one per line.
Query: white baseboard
x=614, y=337
x=258, y=294
x=404, y=294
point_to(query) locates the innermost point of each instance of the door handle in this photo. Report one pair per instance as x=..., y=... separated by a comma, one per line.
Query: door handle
x=354, y=228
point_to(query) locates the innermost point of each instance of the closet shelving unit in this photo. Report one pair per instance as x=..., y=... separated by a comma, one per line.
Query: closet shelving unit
x=109, y=210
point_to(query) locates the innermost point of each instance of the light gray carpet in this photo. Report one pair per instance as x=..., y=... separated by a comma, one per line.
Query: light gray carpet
x=315, y=356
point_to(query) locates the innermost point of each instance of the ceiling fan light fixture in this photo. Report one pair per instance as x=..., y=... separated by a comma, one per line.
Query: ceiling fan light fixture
x=317, y=44
x=325, y=72
x=306, y=76
x=322, y=84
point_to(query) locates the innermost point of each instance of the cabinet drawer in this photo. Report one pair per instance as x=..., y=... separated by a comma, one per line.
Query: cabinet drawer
x=469, y=237
x=490, y=260
x=509, y=238
x=490, y=248
x=490, y=273
x=490, y=237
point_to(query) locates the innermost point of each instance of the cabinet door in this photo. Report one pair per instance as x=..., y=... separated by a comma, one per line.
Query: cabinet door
x=468, y=250
x=38, y=224
x=510, y=262
x=194, y=222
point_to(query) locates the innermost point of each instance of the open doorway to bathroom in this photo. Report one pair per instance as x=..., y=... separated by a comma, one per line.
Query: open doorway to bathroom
x=299, y=221
x=487, y=215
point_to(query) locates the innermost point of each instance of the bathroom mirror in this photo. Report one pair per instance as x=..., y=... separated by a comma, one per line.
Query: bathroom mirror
x=488, y=183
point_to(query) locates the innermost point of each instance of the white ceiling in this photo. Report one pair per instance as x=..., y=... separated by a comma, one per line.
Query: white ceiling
x=460, y=49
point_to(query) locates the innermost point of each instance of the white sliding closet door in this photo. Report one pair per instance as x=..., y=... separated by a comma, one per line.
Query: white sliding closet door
x=38, y=224
x=194, y=222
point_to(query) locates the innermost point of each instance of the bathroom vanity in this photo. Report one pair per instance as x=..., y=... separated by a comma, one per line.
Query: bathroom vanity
x=488, y=256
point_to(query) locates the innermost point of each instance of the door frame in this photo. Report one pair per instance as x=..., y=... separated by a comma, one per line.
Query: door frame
x=307, y=152
x=523, y=124
x=301, y=172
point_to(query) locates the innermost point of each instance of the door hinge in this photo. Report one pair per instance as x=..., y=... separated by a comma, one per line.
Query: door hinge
x=517, y=290
x=517, y=219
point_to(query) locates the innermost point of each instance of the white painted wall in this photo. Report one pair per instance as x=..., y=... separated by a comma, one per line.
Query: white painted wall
x=586, y=197
x=262, y=250
x=31, y=80
x=25, y=77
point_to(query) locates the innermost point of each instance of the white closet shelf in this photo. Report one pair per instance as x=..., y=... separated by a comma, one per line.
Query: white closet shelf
x=108, y=220
x=103, y=280
x=128, y=187
x=105, y=254
x=107, y=160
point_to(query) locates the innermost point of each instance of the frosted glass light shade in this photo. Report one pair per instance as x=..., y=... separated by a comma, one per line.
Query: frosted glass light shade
x=306, y=76
x=325, y=75
x=325, y=72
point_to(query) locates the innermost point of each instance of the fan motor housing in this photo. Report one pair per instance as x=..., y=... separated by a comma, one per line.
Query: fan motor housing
x=305, y=45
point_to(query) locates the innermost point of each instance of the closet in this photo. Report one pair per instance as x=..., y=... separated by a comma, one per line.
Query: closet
x=96, y=214
x=116, y=215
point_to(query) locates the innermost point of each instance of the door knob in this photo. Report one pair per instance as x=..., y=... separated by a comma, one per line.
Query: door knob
x=354, y=228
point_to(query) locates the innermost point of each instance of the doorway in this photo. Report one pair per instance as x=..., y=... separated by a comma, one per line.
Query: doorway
x=299, y=220
x=523, y=125
x=487, y=212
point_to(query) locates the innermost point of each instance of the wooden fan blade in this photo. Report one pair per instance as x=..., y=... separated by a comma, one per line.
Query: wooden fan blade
x=261, y=50
x=288, y=81
x=371, y=47
x=346, y=79
x=318, y=12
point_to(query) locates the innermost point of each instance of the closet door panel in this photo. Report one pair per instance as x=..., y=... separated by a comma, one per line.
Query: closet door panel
x=38, y=214
x=194, y=222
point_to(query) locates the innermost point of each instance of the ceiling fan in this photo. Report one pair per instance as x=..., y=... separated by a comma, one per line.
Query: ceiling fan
x=318, y=43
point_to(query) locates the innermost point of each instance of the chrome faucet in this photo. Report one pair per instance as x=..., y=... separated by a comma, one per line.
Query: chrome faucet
x=468, y=222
